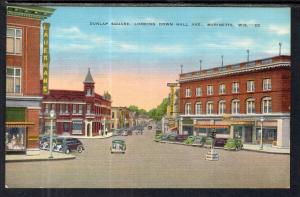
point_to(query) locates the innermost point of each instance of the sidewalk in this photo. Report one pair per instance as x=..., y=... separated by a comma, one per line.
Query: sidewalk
x=266, y=149
x=43, y=156
x=246, y=147
x=87, y=137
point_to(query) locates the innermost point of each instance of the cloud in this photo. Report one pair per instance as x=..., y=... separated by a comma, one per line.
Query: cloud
x=231, y=43
x=279, y=30
x=71, y=47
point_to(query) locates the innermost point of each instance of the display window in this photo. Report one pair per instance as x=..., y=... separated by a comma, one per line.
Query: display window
x=15, y=139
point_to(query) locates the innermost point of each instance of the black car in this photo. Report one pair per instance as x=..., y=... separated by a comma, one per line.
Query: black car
x=67, y=145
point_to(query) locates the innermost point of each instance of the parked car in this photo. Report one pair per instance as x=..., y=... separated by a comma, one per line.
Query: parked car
x=189, y=140
x=172, y=136
x=66, y=145
x=149, y=127
x=220, y=142
x=199, y=140
x=44, y=142
x=233, y=144
x=181, y=138
x=125, y=132
x=118, y=146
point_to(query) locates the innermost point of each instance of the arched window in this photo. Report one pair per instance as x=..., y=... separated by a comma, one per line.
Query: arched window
x=198, y=108
x=187, y=109
x=266, y=105
x=222, y=107
x=209, y=107
x=250, y=103
x=235, y=106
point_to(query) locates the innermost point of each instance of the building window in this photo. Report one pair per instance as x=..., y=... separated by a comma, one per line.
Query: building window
x=66, y=127
x=74, y=109
x=66, y=109
x=60, y=108
x=80, y=109
x=222, y=107
x=187, y=108
x=250, y=86
x=267, y=84
x=235, y=87
x=46, y=108
x=77, y=127
x=113, y=115
x=250, y=106
x=235, y=107
x=14, y=41
x=88, y=109
x=222, y=89
x=13, y=80
x=198, y=108
x=198, y=91
x=210, y=90
x=188, y=92
x=267, y=105
x=209, y=107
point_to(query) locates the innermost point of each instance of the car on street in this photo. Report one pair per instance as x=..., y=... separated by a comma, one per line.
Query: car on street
x=118, y=146
x=172, y=136
x=149, y=127
x=67, y=144
x=124, y=132
x=220, y=142
x=233, y=144
x=181, y=137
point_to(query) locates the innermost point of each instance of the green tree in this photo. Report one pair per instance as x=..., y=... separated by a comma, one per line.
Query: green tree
x=158, y=112
x=106, y=96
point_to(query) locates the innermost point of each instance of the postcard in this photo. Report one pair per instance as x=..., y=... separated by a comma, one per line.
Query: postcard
x=147, y=97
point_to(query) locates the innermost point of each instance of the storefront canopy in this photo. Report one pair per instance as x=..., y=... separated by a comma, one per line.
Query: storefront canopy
x=18, y=124
x=211, y=126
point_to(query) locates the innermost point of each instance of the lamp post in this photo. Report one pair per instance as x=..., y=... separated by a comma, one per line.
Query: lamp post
x=52, y=115
x=261, y=133
x=104, y=120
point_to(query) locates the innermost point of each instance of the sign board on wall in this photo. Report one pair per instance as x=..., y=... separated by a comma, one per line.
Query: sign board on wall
x=46, y=58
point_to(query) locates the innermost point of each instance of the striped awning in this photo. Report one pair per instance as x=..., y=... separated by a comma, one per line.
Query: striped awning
x=18, y=124
x=211, y=126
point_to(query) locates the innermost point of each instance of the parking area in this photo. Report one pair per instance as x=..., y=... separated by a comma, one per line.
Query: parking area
x=148, y=164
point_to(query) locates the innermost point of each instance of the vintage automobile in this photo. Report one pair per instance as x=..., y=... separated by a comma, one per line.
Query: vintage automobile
x=220, y=142
x=118, y=146
x=233, y=144
x=149, y=127
x=67, y=144
x=172, y=136
x=181, y=138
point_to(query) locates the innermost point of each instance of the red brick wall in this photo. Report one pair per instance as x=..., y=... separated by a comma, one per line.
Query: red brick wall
x=280, y=93
x=29, y=60
x=33, y=131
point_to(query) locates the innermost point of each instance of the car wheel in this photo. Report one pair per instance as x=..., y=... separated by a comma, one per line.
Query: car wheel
x=80, y=149
x=67, y=151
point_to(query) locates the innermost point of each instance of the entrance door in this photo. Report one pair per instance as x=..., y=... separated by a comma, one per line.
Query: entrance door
x=88, y=129
x=248, y=134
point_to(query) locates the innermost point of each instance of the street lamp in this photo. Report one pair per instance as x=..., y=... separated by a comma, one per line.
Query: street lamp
x=104, y=129
x=52, y=116
x=261, y=133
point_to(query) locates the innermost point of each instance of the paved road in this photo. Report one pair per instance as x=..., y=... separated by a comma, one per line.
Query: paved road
x=148, y=164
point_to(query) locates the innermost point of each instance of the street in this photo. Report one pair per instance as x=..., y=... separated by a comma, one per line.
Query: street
x=149, y=164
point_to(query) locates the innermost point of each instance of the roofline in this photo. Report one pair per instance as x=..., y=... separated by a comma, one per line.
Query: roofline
x=34, y=12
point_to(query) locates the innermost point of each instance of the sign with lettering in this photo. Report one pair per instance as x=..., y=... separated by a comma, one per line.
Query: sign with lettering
x=46, y=58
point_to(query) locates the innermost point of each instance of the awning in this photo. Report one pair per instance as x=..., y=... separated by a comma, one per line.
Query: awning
x=18, y=124
x=212, y=126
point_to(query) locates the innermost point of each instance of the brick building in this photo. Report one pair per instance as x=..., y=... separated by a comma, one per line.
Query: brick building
x=237, y=100
x=23, y=77
x=78, y=113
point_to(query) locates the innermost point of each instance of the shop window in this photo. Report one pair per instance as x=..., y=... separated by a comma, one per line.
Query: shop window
x=77, y=127
x=66, y=127
x=13, y=40
x=13, y=80
x=224, y=131
x=15, y=139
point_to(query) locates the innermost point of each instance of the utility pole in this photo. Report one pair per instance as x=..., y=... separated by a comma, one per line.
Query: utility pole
x=280, y=48
x=248, y=51
x=200, y=65
x=181, y=66
x=222, y=59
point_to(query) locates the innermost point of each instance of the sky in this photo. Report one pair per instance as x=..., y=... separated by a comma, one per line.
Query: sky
x=134, y=63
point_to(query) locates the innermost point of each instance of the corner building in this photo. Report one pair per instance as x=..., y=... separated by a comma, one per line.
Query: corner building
x=23, y=97
x=78, y=113
x=238, y=100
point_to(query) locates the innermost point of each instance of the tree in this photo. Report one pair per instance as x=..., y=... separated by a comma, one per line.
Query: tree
x=107, y=96
x=158, y=112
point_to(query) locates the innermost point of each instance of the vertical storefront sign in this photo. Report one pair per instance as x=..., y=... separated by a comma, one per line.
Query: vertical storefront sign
x=172, y=95
x=46, y=58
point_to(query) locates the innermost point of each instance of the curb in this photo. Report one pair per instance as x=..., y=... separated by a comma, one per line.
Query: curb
x=46, y=159
x=250, y=150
